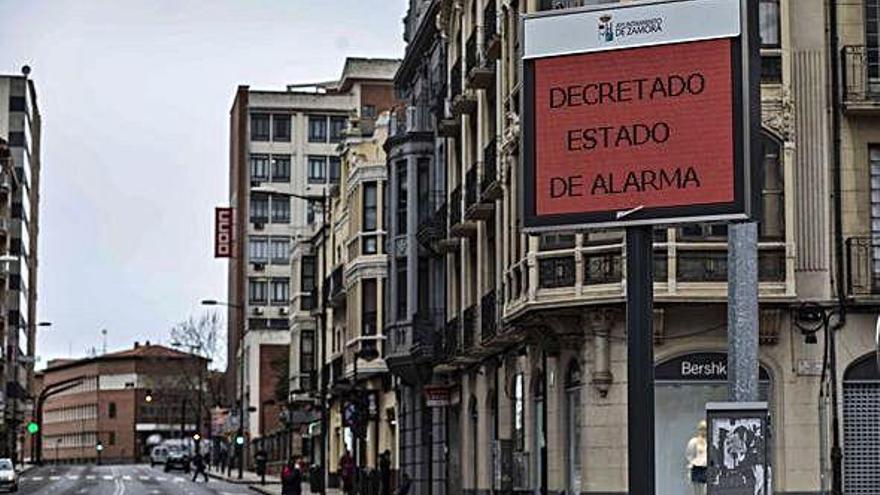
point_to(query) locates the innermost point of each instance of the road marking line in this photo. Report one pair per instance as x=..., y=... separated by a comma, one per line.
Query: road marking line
x=36, y=478
x=56, y=478
x=161, y=478
x=109, y=477
x=73, y=477
x=126, y=477
x=144, y=478
x=179, y=479
x=90, y=477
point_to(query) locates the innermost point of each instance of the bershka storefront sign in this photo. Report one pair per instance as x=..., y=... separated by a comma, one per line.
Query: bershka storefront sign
x=636, y=115
x=698, y=367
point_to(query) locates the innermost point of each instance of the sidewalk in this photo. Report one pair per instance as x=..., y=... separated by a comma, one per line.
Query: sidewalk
x=272, y=486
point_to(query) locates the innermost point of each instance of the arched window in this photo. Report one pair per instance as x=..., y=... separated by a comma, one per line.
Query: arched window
x=539, y=438
x=772, y=226
x=861, y=414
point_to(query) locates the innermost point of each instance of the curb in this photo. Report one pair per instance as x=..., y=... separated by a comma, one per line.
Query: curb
x=261, y=489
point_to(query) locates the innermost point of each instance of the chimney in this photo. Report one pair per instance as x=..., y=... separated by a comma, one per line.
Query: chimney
x=136, y=344
x=147, y=343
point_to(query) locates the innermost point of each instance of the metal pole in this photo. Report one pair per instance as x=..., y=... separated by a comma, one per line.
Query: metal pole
x=322, y=321
x=742, y=312
x=241, y=407
x=640, y=359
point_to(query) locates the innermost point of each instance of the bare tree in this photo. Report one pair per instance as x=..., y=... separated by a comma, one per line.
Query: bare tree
x=204, y=334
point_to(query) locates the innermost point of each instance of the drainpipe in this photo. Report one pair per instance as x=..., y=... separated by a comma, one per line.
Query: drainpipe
x=834, y=49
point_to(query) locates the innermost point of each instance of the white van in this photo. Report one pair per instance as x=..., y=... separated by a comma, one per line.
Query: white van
x=158, y=455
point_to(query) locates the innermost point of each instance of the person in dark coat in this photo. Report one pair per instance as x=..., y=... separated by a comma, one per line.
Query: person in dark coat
x=347, y=470
x=291, y=478
x=199, y=465
x=385, y=472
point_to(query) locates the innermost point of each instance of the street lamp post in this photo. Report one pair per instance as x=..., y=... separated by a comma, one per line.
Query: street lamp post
x=239, y=439
x=193, y=348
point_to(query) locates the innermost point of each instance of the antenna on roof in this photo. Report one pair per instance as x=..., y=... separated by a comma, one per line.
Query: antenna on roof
x=104, y=335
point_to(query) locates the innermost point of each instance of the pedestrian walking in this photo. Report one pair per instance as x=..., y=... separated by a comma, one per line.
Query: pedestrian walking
x=261, y=457
x=291, y=478
x=405, y=485
x=347, y=468
x=385, y=472
x=199, y=465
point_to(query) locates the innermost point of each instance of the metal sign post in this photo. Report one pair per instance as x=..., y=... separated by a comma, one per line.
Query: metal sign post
x=640, y=358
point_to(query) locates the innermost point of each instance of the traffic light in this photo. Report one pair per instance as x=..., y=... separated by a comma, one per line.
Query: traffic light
x=239, y=439
x=99, y=446
x=149, y=396
x=33, y=428
x=197, y=437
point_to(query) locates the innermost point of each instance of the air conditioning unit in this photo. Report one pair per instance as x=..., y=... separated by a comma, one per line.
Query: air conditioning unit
x=256, y=183
x=258, y=311
x=259, y=226
x=258, y=267
x=283, y=311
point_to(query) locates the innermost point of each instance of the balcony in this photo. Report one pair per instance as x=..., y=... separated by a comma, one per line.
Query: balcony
x=415, y=343
x=432, y=223
x=474, y=209
x=451, y=339
x=488, y=316
x=592, y=270
x=337, y=372
x=334, y=287
x=469, y=328
x=861, y=79
x=491, y=36
x=863, y=267
x=490, y=186
x=461, y=103
x=457, y=226
x=481, y=73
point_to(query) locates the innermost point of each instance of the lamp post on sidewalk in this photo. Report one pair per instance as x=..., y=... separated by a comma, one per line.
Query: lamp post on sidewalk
x=239, y=438
x=194, y=349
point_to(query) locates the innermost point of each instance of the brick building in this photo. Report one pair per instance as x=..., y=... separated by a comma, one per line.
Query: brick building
x=127, y=400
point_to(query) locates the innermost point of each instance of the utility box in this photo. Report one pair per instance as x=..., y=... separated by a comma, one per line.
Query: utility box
x=738, y=449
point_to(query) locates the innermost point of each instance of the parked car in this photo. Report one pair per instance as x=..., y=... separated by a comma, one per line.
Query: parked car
x=8, y=476
x=159, y=455
x=178, y=458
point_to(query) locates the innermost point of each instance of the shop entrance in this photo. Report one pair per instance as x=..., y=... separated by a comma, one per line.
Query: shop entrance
x=683, y=386
x=861, y=427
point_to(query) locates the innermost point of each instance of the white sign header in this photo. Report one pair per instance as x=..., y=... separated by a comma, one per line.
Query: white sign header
x=628, y=26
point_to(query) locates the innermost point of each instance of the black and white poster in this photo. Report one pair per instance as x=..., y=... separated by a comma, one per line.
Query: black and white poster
x=739, y=449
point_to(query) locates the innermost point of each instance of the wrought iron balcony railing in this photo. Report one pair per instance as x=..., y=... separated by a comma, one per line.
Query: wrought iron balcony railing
x=469, y=327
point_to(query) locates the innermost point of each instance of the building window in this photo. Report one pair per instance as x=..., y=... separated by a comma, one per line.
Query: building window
x=317, y=169
x=772, y=225
x=335, y=169
x=368, y=111
x=280, y=127
x=401, y=289
x=872, y=38
x=768, y=23
x=519, y=434
x=768, y=27
x=307, y=351
x=280, y=168
x=369, y=306
x=307, y=282
x=280, y=209
x=257, y=291
x=259, y=208
x=310, y=212
x=280, y=250
x=258, y=249
x=337, y=128
x=317, y=129
x=259, y=167
x=111, y=410
x=259, y=127
x=401, y=197
x=370, y=218
x=111, y=440
x=280, y=291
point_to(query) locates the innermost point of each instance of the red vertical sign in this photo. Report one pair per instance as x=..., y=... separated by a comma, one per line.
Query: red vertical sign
x=223, y=225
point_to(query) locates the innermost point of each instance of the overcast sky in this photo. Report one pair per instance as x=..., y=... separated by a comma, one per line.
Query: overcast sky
x=135, y=98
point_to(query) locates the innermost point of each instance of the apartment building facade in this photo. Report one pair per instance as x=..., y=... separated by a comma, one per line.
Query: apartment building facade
x=20, y=135
x=338, y=324
x=128, y=401
x=524, y=388
x=283, y=143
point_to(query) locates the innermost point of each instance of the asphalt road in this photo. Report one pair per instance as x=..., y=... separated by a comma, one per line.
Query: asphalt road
x=119, y=480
